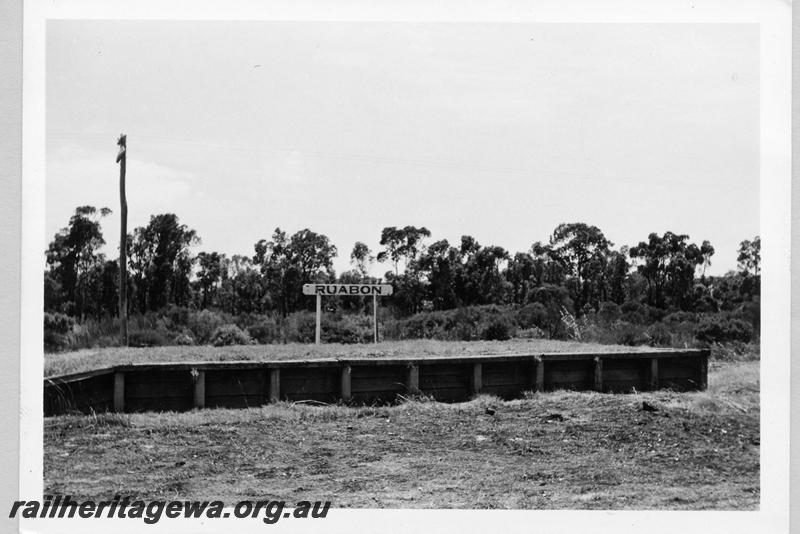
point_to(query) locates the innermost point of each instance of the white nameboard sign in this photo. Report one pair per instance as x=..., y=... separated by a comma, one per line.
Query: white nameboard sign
x=348, y=290
x=353, y=290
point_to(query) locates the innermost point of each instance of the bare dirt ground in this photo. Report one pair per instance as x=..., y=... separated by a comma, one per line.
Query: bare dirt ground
x=89, y=359
x=559, y=450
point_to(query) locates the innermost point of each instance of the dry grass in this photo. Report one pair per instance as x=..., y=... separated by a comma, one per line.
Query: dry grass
x=88, y=359
x=697, y=451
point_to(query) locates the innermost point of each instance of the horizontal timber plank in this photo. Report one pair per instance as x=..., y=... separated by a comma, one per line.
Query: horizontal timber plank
x=378, y=372
x=162, y=383
x=89, y=393
x=318, y=384
x=321, y=382
x=626, y=364
x=310, y=373
x=392, y=388
x=381, y=392
x=222, y=383
x=568, y=375
x=667, y=373
x=78, y=396
x=518, y=382
x=75, y=377
x=614, y=375
x=426, y=382
x=681, y=361
x=510, y=377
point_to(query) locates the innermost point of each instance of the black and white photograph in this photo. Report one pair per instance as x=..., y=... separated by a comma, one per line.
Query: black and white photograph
x=295, y=266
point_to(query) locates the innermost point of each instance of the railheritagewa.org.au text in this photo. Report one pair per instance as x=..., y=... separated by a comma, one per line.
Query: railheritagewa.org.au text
x=64, y=507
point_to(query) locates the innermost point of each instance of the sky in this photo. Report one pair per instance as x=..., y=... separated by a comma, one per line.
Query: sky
x=499, y=131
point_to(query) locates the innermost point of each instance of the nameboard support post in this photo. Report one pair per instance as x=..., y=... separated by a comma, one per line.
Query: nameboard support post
x=319, y=314
x=375, y=316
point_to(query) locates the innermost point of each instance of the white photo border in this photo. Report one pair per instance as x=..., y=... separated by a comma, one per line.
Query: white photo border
x=773, y=17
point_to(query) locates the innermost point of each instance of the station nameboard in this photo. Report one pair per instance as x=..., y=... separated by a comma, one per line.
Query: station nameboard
x=353, y=290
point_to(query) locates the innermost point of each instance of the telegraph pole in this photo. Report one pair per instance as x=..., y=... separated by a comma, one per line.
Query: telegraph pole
x=123, y=243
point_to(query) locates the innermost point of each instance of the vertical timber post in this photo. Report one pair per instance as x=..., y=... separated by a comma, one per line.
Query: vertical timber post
x=598, y=373
x=344, y=389
x=538, y=374
x=275, y=384
x=123, y=242
x=200, y=390
x=375, y=317
x=119, y=392
x=319, y=313
x=702, y=381
x=477, y=378
x=413, y=379
x=653, y=374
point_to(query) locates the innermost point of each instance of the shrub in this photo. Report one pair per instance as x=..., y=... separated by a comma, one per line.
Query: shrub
x=634, y=312
x=204, y=325
x=247, y=319
x=629, y=334
x=721, y=330
x=147, y=338
x=498, y=329
x=464, y=324
x=659, y=335
x=751, y=312
x=56, y=328
x=595, y=333
x=735, y=351
x=531, y=333
x=229, y=334
x=533, y=316
x=653, y=314
x=555, y=301
x=609, y=312
x=176, y=316
x=265, y=331
x=429, y=325
x=680, y=317
x=300, y=327
x=704, y=301
x=630, y=306
x=347, y=329
x=183, y=338
x=58, y=322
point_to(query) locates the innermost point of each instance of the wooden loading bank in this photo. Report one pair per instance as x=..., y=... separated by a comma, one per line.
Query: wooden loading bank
x=240, y=384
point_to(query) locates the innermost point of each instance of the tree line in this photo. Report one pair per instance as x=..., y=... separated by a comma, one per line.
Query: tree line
x=577, y=270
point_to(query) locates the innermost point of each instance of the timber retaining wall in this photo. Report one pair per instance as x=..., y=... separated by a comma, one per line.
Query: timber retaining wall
x=182, y=386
